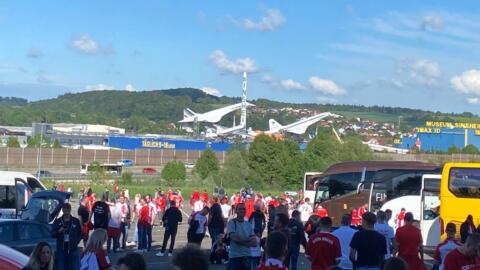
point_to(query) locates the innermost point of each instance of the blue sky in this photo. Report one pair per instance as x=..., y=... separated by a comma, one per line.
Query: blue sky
x=418, y=54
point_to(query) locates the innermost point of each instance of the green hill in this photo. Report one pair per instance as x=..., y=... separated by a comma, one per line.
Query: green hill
x=152, y=111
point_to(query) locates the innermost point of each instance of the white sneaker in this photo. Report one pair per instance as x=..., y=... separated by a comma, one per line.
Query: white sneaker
x=160, y=254
x=170, y=254
x=131, y=243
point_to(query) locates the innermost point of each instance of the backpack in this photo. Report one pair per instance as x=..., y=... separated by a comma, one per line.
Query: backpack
x=89, y=262
x=193, y=226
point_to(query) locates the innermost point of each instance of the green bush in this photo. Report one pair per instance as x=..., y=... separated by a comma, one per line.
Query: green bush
x=174, y=173
x=206, y=164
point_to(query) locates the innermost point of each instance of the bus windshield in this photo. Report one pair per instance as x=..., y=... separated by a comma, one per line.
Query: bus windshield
x=464, y=182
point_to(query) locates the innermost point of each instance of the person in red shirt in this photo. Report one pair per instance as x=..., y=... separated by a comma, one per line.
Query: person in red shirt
x=355, y=218
x=169, y=195
x=446, y=246
x=323, y=248
x=322, y=212
x=275, y=249
x=464, y=257
x=400, y=218
x=195, y=196
x=205, y=197
x=410, y=244
x=249, y=207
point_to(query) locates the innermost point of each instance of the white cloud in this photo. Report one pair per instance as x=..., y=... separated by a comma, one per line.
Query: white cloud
x=290, y=84
x=34, y=53
x=130, y=88
x=211, y=91
x=468, y=82
x=474, y=100
x=432, y=22
x=267, y=78
x=86, y=44
x=270, y=22
x=419, y=71
x=327, y=87
x=221, y=61
x=99, y=86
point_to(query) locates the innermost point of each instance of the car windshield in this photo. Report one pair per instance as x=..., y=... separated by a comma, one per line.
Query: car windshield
x=41, y=209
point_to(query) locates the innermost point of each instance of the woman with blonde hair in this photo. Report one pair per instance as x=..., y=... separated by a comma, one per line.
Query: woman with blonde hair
x=95, y=256
x=41, y=258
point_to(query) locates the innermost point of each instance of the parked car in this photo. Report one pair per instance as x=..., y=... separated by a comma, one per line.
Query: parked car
x=43, y=173
x=24, y=235
x=149, y=170
x=11, y=258
x=126, y=162
x=189, y=165
x=45, y=206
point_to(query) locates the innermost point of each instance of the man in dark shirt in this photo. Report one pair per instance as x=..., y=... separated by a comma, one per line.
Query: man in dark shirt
x=67, y=231
x=83, y=214
x=170, y=220
x=100, y=213
x=297, y=238
x=281, y=225
x=257, y=218
x=368, y=247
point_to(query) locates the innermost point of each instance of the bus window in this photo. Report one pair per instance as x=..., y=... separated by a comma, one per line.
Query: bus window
x=389, y=189
x=7, y=197
x=465, y=182
x=340, y=184
x=310, y=182
x=323, y=193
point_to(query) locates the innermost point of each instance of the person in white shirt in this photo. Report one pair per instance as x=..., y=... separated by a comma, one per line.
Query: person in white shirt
x=114, y=227
x=225, y=208
x=345, y=234
x=201, y=219
x=306, y=210
x=198, y=206
x=384, y=229
x=446, y=246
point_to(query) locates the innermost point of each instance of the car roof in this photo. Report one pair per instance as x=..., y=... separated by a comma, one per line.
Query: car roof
x=13, y=255
x=358, y=166
x=59, y=195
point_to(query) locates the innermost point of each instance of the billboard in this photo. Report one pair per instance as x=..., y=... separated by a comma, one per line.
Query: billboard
x=133, y=142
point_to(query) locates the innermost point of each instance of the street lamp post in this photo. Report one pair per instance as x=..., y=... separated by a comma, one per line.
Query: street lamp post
x=40, y=152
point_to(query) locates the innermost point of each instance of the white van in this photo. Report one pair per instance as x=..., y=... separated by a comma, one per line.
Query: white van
x=16, y=188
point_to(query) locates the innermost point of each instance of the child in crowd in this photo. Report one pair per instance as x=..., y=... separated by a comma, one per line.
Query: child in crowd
x=256, y=251
x=219, y=252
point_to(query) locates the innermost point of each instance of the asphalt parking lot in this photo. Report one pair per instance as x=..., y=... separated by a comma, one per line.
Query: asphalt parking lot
x=164, y=262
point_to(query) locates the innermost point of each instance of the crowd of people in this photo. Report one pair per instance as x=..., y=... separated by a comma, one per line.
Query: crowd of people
x=247, y=231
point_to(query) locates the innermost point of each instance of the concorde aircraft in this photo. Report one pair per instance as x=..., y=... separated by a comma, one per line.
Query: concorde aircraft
x=298, y=127
x=214, y=116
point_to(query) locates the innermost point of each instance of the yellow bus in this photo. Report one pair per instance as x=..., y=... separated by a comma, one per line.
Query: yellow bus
x=459, y=194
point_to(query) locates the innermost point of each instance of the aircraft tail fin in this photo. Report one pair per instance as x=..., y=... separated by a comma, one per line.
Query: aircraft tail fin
x=274, y=125
x=188, y=113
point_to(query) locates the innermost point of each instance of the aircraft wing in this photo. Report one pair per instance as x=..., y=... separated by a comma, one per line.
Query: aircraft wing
x=216, y=115
x=300, y=127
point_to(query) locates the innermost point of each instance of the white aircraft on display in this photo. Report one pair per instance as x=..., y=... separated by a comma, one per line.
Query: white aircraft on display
x=298, y=127
x=214, y=116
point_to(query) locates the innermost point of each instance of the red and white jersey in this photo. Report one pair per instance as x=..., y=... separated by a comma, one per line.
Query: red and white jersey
x=198, y=206
x=272, y=264
x=400, y=219
x=152, y=211
x=443, y=249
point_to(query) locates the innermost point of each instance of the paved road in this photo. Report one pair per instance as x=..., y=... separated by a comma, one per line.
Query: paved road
x=164, y=262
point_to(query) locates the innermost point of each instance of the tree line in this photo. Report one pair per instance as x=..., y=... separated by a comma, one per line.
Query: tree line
x=272, y=163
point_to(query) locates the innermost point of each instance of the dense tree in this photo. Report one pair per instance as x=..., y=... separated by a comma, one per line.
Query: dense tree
x=56, y=144
x=470, y=149
x=174, y=173
x=235, y=172
x=206, y=164
x=265, y=158
x=454, y=150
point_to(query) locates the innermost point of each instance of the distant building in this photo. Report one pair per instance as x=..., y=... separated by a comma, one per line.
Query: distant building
x=440, y=136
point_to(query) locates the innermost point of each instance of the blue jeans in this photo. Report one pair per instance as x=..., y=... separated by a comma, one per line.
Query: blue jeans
x=239, y=263
x=214, y=232
x=67, y=260
x=149, y=237
x=255, y=262
x=294, y=253
x=142, y=237
x=124, y=228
